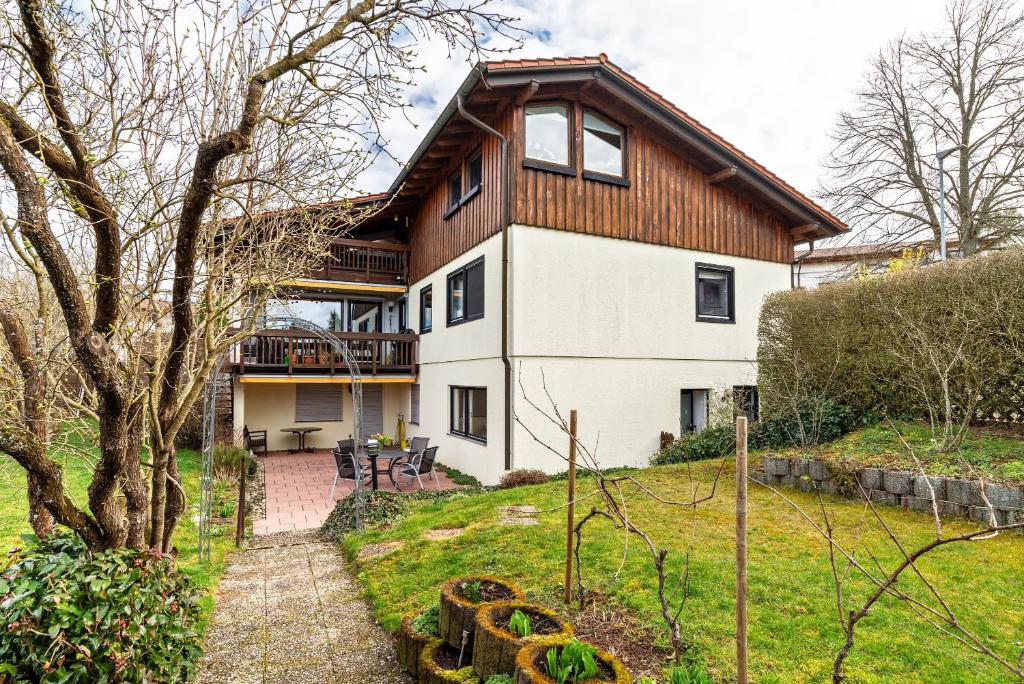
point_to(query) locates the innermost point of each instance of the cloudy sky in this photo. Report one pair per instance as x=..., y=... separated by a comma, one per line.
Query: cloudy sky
x=770, y=77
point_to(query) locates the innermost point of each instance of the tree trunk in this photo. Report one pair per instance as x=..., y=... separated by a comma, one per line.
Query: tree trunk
x=175, y=500
x=39, y=515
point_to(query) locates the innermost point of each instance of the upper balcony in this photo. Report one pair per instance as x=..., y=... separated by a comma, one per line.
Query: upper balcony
x=362, y=261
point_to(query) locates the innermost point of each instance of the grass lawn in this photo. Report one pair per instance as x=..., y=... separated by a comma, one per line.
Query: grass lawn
x=989, y=451
x=793, y=627
x=14, y=517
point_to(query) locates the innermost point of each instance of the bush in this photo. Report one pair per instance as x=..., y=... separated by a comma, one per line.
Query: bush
x=523, y=476
x=711, y=442
x=808, y=425
x=227, y=462
x=75, y=616
x=379, y=509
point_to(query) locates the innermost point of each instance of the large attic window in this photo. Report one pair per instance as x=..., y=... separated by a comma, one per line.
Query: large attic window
x=548, y=136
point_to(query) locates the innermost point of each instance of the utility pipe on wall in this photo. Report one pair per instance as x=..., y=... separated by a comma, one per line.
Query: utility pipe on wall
x=506, y=201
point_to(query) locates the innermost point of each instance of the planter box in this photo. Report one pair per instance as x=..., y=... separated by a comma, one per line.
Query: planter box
x=431, y=672
x=531, y=667
x=495, y=648
x=458, y=614
x=410, y=645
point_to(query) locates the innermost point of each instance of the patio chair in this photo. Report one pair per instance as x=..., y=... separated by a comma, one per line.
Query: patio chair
x=254, y=438
x=345, y=465
x=420, y=464
x=417, y=446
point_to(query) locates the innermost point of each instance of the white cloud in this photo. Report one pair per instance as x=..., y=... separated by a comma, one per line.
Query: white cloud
x=770, y=77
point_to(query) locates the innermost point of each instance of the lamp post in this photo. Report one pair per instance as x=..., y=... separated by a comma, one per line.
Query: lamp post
x=941, y=156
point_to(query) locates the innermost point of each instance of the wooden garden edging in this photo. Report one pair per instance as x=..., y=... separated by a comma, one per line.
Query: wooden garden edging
x=529, y=672
x=495, y=648
x=458, y=614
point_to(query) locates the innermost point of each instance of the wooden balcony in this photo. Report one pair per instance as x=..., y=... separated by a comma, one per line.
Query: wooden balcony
x=302, y=353
x=361, y=261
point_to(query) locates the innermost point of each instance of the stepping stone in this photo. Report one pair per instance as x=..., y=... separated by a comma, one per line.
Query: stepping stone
x=518, y=515
x=445, y=533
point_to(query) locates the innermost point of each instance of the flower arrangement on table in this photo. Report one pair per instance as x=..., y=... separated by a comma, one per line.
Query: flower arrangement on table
x=382, y=439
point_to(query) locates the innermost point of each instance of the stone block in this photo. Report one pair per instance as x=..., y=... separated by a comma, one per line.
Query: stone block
x=818, y=470
x=1004, y=496
x=805, y=483
x=963, y=492
x=825, y=486
x=776, y=466
x=898, y=482
x=775, y=480
x=921, y=487
x=885, y=498
x=789, y=481
x=951, y=509
x=984, y=515
x=871, y=478
x=917, y=503
x=799, y=467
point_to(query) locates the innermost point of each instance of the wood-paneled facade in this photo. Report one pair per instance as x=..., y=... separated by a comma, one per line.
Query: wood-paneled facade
x=669, y=201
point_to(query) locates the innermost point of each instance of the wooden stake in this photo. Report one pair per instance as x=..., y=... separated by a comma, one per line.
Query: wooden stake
x=741, y=549
x=570, y=520
x=240, y=527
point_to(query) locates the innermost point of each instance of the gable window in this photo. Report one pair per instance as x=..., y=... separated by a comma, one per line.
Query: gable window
x=316, y=403
x=603, y=146
x=466, y=293
x=426, y=309
x=468, y=416
x=715, y=296
x=454, y=190
x=547, y=136
x=474, y=173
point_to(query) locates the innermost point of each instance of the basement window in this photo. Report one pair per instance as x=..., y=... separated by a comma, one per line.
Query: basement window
x=716, y=300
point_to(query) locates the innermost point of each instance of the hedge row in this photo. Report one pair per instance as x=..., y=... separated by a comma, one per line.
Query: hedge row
x=902, y=343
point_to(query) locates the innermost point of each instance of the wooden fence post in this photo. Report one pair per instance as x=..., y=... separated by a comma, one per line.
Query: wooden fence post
x=240, y=527
x=741, y=549
x=570, y=518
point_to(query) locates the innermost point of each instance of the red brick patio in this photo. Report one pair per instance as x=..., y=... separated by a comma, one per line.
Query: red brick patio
x=297, y=486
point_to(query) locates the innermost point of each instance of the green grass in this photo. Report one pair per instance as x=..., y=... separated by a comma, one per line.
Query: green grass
x=793, y=628
x=989, y=453
x=78, y=463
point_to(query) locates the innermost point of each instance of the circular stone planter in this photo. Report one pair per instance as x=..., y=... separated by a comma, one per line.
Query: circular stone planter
x=411, y=644
x=458, y=614
x=495, y=648
x=532, y=668
x=438, y=665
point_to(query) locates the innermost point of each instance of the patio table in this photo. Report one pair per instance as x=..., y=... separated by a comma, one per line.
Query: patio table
x=390, y=455
x=301, y=433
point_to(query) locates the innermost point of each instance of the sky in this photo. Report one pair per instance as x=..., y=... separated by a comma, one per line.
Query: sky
x=768, y=76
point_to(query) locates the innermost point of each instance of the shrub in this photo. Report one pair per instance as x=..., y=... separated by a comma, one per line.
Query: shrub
x=810, y=424
x=711, y=442
x=75, y=616
x=499, y=679
x=379, y=509
x=228, y=460
x=523, y=476
x=426, y=622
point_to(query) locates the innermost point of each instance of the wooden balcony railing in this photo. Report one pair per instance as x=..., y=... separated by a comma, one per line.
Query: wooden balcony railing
x=362, y=261
x=298, y=352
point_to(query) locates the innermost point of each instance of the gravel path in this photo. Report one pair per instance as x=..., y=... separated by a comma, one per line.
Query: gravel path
x=288, y=610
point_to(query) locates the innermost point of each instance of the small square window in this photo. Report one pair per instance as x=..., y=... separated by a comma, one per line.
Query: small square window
x=715, y=296
x=468, y=416
x=466, y=293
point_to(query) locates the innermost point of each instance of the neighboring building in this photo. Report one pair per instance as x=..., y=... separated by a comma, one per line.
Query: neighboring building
x=823, y=265
x=623, y=252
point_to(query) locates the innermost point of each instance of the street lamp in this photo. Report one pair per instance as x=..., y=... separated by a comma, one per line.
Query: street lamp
x=941, y=156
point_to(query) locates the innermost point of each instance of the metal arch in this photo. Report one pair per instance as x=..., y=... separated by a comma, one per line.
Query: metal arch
x=210, y=420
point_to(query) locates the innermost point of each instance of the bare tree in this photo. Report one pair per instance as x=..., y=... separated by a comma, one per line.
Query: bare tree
x=961, y=86
x=128, y=133
x=615, y=495
x=932, y=608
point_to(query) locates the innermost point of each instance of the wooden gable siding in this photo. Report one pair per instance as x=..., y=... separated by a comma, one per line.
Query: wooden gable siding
x=434, y=240
x=669, y=201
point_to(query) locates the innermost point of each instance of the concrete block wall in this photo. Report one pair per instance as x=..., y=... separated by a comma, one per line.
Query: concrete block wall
x=956, y=497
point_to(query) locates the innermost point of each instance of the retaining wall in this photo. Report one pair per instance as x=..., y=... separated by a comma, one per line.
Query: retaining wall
x=956, y=497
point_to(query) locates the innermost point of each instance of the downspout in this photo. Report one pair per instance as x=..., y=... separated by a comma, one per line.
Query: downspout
x=794, y=269
x=506, y=218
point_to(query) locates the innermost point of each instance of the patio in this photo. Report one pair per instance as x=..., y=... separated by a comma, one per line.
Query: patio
x=297, y=486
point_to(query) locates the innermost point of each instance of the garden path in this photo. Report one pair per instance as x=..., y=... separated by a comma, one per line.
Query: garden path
x=288, y=610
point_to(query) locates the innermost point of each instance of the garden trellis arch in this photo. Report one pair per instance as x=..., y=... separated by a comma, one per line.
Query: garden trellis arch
x=210, y=419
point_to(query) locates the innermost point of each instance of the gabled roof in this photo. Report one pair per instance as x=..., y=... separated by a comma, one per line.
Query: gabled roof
x=811, y=220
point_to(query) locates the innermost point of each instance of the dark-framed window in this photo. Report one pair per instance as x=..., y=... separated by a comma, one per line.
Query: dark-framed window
x=426, y=309
x=548, y=143
x=468, y=412
x=365, y=316
x=465, y=297
x=746, y=402
x=604, y=148
x=716, y=296
x=454, y=190
x=474, y=173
